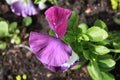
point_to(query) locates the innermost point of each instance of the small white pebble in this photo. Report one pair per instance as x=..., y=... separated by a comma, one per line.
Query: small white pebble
x=49, y=75
x=42, y=5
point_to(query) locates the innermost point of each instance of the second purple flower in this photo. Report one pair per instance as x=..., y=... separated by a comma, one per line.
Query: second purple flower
x=22, y=7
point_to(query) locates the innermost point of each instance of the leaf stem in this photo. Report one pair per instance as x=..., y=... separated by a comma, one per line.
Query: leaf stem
x=115, y=50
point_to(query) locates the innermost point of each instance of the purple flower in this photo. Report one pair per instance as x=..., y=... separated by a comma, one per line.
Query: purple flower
x=58, y=19
x=52, y=52
x=23, y=7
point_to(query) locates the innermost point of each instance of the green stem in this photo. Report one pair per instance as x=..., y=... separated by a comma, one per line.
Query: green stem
x=115, y=50
x=116, y=56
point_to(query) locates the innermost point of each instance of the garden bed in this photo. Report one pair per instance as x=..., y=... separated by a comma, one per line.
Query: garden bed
x=19, y=60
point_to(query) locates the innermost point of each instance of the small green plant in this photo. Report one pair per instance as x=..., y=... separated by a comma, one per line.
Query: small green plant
x=115, y=43
x=93, y=45
x=8, y=32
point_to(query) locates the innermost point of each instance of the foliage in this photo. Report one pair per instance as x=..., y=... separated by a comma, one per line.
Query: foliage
x=115, y=43
x=27, y=21
x=92, y=44
x=115, y=4
x=10, y=32
x=117, y=20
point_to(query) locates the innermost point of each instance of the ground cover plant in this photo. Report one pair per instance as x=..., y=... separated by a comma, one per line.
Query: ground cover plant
x=59, y=43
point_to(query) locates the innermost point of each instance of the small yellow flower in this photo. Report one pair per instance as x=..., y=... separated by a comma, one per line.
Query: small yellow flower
x=18, y=77
x=24, y=76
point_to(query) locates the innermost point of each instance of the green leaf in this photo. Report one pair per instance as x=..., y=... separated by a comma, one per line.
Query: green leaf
x=69, y=38
x=16, y=39
x=27, y=21
x=12, y=27
x=105, y=69
x=3, y=45
x=105, y=42
x=38, y=1
x=86, y=54
x=80, y=64
x=107, y=76
x=116, y=45
x=51, y=32
x=76, y=47
x=117, y=21
x=106, y=56
x=94, y=71
x=17, y=31
x=100, y=24
x=115, y=39
x=53, y=2
x=2, y=19
x=101, y=50
x=107, y=63
x=72, y=30
x=85, y=37
x=73, y=23
x=118, y=0
x=97, y=34
x=3, y=29
x=83, y=27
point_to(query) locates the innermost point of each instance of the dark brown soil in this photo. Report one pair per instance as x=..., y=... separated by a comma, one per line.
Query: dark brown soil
x=18, y=60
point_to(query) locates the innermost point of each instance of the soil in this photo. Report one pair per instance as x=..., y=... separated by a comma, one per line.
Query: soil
x=19, y=60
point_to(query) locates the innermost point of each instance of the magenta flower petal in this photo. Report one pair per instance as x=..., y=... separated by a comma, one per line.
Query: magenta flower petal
x=58, y=19
x=49, y=50
x=73, y=61
x=23, y=8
